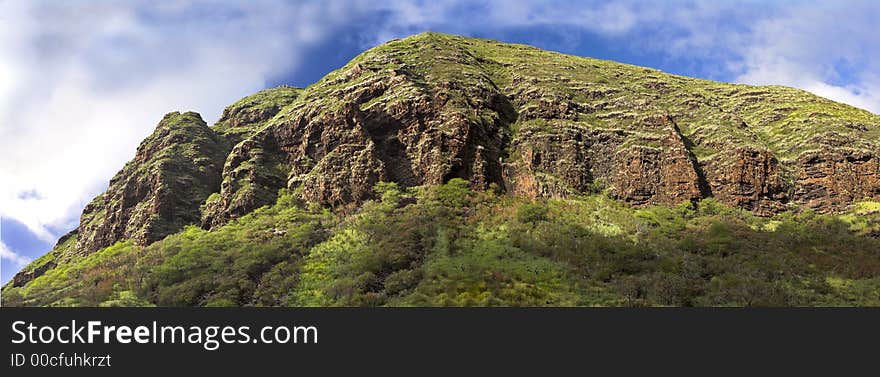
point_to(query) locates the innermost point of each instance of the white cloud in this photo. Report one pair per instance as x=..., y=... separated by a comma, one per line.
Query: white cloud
x=79, y=92
x=466, y=17
x=866, y=97
x=815, y=46
x=17, y=260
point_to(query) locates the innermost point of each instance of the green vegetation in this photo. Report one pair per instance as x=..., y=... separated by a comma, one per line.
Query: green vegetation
x=864, y=218
x=246, y=116
x=448, y=245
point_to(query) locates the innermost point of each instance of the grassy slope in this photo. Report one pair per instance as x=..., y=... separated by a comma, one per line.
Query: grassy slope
x=241, y=119
x=612, y=95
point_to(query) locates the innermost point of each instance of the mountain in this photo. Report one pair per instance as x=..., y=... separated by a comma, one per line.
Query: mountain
x=451, y=139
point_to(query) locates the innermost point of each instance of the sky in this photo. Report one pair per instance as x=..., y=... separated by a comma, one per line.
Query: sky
x=82, y=83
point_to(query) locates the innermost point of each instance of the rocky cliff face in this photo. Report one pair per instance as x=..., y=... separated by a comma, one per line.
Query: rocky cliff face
x=161, y=189
x=425, y=109
x=749, y=178
x=834, y=177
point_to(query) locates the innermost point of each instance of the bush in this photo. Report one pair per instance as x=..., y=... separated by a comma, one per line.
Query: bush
x=454, y=194
x=531, y=213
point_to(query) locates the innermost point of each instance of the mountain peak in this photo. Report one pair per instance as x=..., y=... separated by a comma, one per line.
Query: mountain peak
x=161, y=189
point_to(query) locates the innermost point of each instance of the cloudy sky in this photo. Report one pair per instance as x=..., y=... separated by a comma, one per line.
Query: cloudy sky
x=81, y=83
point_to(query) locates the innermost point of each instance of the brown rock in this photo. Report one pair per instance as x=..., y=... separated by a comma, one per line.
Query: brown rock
x=750, y=179
x=664, y=175
x=832, y=178
x=160, y=190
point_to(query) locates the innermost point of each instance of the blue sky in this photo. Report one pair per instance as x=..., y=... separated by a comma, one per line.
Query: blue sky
x=82, y=83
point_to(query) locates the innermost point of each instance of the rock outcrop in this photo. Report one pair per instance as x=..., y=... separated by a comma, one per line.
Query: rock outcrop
x=161, y=189
x=832, y=178
x=365, y=124
x=665, y=174
x=750, y=179
x=23, y=277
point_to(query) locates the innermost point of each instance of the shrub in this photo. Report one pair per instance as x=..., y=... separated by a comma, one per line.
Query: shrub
x=531, y=213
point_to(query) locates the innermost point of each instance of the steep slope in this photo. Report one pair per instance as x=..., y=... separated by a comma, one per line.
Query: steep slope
x=240, y=123
x=160, y=190
x=167, y=184
x=427, y=109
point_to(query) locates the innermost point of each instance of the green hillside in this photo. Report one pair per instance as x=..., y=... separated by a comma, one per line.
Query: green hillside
x=454, y=246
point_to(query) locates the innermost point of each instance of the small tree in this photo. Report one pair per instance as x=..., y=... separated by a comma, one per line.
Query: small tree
x=390, y=194
x=454, y=193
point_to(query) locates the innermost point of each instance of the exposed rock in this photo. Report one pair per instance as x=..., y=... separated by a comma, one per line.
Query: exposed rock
x=160, y=190
x=252, y=175
x=750, y=179
x=64, y=250
x=831, y=179
x=561, y=161
x=432, y=107
x=664, y=175
x=429, y=108
x=23, y=277
x=367, y=126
